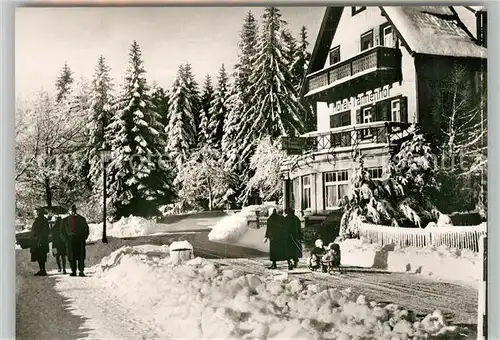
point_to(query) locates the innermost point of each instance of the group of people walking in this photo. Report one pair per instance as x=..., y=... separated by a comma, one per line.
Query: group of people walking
x=284, y=234
x=69, y=236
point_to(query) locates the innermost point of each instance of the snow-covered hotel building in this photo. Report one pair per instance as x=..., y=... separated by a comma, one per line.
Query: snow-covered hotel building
x=373, y=71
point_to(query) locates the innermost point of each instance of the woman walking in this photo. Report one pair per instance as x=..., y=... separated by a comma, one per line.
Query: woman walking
x=294, y=229
x=59, y=246
x=278, y=239
x=40, y=242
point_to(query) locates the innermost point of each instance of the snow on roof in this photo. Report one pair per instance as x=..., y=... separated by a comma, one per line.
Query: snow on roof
x=435, y=30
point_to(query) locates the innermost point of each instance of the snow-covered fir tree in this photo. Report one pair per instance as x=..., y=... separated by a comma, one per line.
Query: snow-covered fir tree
x=219, y=109
x=301, y=58
x=139, y=176
x=239, y=103
x=275, y=108
x=206, y=101
x=193, y=95
x=240, y=94
x=290, y=51
x=299, y=71
x=181, y=127
x=159, y=100
x=100, y=114
x=63, y=82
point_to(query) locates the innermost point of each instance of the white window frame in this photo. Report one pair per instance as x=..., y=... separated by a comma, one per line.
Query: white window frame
x=396, y=112
x=367, y=118
x=386, y=36
x=305, y=187
x=336, y=183
x=375, y=171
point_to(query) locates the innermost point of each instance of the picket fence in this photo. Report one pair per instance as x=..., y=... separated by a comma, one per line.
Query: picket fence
x=459, y=237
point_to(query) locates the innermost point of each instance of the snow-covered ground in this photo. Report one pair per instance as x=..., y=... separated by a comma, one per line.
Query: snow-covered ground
x=136, y=292
x=233, y=227
x=439, y=262
x=125, y=227
x=198, y=300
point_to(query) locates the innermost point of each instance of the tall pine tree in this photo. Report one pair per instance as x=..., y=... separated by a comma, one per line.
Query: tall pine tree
x=275, y=108
x=206, y=102
x=139, y=177
x=240, y=94
x=63, y=83
x=239, y=103
x=159, y=100
x=219, y=109
x=181, y=127
x=299, y=71
x=100, y=114
x=301, y=58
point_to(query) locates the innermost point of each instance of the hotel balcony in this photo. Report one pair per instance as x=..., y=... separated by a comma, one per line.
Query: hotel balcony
x=347, y=139
x=369, y=69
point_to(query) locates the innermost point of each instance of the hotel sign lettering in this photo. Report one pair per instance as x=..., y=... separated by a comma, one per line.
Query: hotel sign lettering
x=362, y=99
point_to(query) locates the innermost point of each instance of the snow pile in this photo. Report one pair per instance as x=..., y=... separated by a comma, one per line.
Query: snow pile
x=125, y=227
x=232, y=227
x=205, y=302
x=440, y=262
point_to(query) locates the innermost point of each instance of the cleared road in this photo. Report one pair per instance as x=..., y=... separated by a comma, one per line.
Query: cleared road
x=420, y=294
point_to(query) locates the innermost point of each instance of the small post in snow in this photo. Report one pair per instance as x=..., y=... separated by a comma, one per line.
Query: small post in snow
x=482, y=306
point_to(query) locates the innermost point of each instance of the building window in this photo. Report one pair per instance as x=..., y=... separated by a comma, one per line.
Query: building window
x=306, y=192
x=335, y=186
x=367, y=114
x=375, y=173
x=335, y=55
x=367, y=41
x=340, y=119
x=396, y=110
x=388, y=36
x=367, y=118
x=356, y=9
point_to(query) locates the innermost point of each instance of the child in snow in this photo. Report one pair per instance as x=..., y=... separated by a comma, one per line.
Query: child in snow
x=317, y=253
x=331, y=260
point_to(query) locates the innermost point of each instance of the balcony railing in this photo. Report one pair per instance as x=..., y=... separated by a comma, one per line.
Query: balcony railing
x=379, y=57
x=381, y=132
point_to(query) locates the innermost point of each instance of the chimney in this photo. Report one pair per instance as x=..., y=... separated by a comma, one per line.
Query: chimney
x=481, y=27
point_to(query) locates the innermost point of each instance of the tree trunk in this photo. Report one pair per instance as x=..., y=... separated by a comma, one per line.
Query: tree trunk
x=209, y=196
x=48, y=192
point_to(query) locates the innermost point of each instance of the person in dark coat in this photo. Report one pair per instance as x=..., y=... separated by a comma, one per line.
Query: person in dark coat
x=40, y=242
x=58, y=245
x=75, y=232
x=278, y=239
x=294, y=229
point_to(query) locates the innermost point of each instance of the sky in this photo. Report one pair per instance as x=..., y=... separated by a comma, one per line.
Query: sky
x=206, y=37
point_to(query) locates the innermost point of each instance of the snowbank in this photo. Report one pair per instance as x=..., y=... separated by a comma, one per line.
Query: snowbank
x=441, y=262
x=231, y=228
x=125, y=227
x=436, y=262
x=205, y=302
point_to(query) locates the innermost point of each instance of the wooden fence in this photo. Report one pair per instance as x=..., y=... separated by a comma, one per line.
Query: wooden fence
x=454, y=236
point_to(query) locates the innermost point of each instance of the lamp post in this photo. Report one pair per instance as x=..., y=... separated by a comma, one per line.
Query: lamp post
x=105, y=156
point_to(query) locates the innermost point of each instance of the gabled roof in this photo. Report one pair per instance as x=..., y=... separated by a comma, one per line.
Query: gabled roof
x=433, y=30
x=476, y=9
